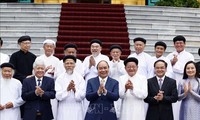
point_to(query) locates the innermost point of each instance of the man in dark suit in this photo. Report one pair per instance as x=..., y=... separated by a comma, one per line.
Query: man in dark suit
x=101, y=92
x=162, y=92
x=37, y=92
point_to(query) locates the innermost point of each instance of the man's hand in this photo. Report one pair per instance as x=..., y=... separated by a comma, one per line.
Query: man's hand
x=71, y=86
x=100, y=90
x=39, y=91
x=128, y=85
x=174, y=60
x=92, y=62
x=8, y=105
x=1, y=107
x=159, y=96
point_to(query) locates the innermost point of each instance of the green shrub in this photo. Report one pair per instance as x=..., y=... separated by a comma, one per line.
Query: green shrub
x=179, y=3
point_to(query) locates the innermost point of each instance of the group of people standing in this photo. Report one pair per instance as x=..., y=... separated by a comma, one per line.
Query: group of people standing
x=141, y=87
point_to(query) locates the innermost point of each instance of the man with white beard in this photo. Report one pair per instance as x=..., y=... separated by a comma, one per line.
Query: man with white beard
x=10, y=94
x=70, y=91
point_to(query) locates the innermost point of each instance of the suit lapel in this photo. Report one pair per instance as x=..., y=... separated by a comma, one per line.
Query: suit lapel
x=165, y=82
x=44, y=80
x=33, y=82
x=107, y=83
x=155, y=82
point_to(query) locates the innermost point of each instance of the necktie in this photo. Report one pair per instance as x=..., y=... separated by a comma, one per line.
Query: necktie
x=160, y=83
x=39, y=82
x=102, y=81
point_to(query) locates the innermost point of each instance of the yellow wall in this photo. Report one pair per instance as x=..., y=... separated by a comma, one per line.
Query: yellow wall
x=50, y=1
x=129, y=2
x=126, y=2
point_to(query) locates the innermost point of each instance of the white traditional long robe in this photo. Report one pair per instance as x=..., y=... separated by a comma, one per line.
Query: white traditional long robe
x=178, y=67
x=143, y=61
x=10, y=91
x=92, y=72
x=51, y=61
x=133, y=107
x=4, y=58
x=70, y=105
x=117, y=69
x=60, y=68
x=151, y=70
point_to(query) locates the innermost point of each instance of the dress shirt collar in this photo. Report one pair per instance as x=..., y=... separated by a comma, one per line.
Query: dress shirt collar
x=38, y=78
x=105, y=79
x=158, y=78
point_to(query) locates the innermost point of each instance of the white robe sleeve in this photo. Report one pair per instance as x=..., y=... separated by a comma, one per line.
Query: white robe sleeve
x=80, y=91
x=19, y=101
x=61, y=93
x=140, y=90
x=122, y=89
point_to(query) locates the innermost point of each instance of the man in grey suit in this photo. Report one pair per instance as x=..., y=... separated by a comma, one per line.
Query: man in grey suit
x=162, y=92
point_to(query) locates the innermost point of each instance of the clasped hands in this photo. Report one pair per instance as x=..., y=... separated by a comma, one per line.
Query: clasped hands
x=6, y=106
x=39, y=91
x=159, y=96
x=92, y=62
x=128, y=85
x=102, y=89
x=71, y=86
x=50, y=69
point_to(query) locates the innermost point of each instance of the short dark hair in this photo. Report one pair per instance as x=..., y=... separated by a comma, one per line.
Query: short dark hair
x=179, y=38
x=160, y=43
x=70, y=45
x=139, y=39
x=69, y=57
x=131, y=59
x=96, y=41
x=160, y=61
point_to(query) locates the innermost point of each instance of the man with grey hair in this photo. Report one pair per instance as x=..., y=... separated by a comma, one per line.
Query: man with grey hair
x=10, y=94
x=37, y=92
x=50, y=60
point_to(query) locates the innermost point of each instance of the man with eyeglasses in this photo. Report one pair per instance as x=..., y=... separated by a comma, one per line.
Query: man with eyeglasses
x=23, y=60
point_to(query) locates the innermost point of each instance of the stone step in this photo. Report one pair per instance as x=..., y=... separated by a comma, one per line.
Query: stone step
x=166, y=22
x=26, y=32
x=25, y=18
x=161, y=26
x=33, y=23
x=35, y=9
x=163, y=36
x=28, y=5
x=34, y=39
x=129, y=16
x=29, y=27
x=31, y=14
x=162, y=9
x=165, y=31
